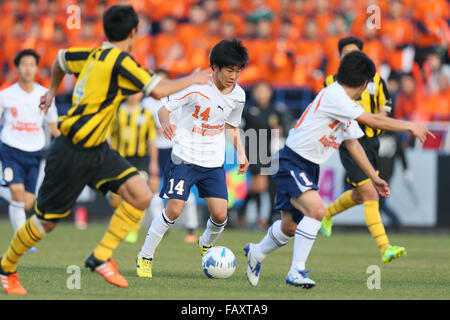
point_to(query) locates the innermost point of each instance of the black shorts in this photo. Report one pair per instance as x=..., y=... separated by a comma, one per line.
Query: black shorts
x=354, y=175
x=140, y=163
x=70, y=168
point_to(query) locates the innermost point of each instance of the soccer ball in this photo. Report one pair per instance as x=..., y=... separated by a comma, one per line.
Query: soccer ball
x=219, y=262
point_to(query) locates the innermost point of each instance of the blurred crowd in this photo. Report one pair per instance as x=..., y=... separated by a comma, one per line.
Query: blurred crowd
x=291, y=43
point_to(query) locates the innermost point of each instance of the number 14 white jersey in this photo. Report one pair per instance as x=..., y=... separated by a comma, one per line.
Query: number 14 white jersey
x=200, y=129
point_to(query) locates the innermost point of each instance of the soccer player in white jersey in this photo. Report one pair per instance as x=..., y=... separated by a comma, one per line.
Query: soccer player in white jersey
x=164, y=147
x=23, y=137
x=328, y=121
x=207, y=113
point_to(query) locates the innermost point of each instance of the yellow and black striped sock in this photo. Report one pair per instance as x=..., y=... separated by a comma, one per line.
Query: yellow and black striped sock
x=373, y=222
x=342, y=203
x=25, y=238
x=124, y=219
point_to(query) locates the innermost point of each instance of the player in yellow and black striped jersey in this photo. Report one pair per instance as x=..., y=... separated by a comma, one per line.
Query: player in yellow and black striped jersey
x=80, y=156
x=375, y=99
x=133, y=134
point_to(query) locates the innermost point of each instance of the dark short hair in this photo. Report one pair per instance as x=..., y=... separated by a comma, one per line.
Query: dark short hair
x=24, y=53
x=228, y=53
x=119, y=21
x=355, y=69
x=350, y=40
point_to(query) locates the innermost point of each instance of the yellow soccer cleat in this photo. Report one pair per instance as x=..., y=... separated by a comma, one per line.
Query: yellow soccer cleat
x=393, y=252
x=203, y=249
x=326, y=226
x=144, y=267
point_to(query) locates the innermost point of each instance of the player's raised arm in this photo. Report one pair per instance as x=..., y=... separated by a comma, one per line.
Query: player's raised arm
x=57, y=74
x=385, y=123
x=360, y=157
x=167, y=87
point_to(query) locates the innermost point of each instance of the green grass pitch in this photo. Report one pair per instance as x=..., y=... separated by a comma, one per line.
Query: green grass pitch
x=339, y=267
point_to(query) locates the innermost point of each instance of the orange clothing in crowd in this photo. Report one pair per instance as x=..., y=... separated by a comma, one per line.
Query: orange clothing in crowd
x=161, y=44
x=283, y=60
x=431, y=13
x=308, y=59
x=398, y=32
x=261, y=65
x=406, y=107
x=375, y=51
x=142, y=50
x=332, y=53
x=435, y=107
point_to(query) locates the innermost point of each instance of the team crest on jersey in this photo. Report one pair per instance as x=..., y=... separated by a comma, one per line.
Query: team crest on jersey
x=14, y=112
x=141, y=119
x=371, y=88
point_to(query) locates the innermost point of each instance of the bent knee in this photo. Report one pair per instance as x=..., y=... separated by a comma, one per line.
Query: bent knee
x=317, y=213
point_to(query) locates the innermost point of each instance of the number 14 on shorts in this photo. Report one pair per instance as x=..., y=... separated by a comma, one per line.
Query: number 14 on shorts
x=179, y=187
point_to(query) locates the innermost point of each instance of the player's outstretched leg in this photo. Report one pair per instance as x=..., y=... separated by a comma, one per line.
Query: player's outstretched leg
x=256, y=253
x=25, y=238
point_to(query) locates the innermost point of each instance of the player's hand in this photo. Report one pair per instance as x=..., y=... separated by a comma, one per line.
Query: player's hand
x=201, y=76
x=382, y=187
x=169, y=130
x=421, y=132
x=46, y=101
x=243, y=161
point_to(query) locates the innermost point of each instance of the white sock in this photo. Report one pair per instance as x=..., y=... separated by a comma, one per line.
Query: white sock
x=5, y=193
x=274, y=239
x=190, y=212
x=212, y=233
x=156, y=205
x=305, y=235
x=158, y=228
x=17, y=214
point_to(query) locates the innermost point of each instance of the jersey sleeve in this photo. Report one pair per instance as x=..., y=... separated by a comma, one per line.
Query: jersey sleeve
x=234, y=118
x=179, y=99
x=353, y=131
x=133, y=78
x=52, y=113
x=72, y=60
